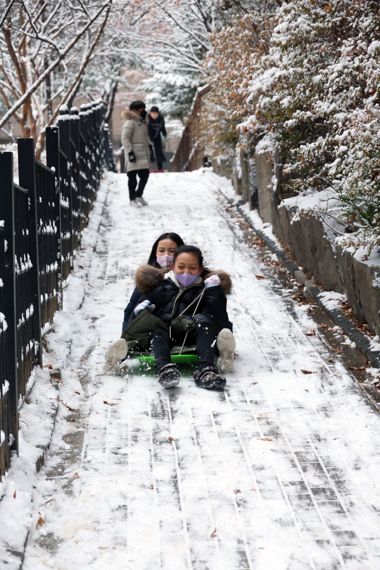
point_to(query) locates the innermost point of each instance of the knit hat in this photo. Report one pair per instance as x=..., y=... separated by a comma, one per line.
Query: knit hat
x=154, y=109
x=136, y=105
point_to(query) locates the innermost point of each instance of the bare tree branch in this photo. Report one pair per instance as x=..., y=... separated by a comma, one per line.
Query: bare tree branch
x=29, y=91
x=180, y=26
x=6, y=12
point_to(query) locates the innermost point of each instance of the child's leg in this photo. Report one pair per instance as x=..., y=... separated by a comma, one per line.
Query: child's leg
x=206, y=375
x=168, y=374
x=160, y=345
x=205, y=337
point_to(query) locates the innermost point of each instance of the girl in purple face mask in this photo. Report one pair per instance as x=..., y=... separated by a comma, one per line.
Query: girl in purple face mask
x=163, y=249
x=161, y=256
x=191, y=305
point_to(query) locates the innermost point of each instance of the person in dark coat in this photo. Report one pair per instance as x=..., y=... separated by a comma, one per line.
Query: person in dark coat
x=156, y=129
x=186, y=307
x=161, y=256
x=135, y=140
x=161, y=259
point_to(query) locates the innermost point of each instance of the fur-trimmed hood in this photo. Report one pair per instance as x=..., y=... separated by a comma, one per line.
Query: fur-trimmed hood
x=148, y=278
x=127, y=114
x=225, y=279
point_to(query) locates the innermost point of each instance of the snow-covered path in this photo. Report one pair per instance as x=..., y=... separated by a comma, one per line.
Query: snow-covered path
x=280, y=472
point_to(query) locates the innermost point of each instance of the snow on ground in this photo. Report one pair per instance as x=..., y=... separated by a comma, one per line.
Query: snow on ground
x=279, y=472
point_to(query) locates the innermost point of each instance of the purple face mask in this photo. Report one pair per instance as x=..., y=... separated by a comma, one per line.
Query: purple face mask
x=186, y=279
x=165, y=261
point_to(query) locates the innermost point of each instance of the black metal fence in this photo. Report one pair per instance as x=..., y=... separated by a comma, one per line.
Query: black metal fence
x=41, y=219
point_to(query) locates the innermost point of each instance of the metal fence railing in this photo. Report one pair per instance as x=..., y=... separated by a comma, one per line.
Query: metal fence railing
x=41, y=219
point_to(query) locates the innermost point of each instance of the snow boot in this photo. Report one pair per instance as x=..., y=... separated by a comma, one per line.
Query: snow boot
x=169, y=376
x=209, y=378
x=116, y=353
x=142, y=201
x=226, y=345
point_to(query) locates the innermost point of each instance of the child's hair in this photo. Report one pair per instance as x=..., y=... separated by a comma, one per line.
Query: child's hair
x=167, y=235
x=189, y=249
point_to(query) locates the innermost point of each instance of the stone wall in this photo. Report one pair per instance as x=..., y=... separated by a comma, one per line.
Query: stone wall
x=312, y=235
x=310, y=228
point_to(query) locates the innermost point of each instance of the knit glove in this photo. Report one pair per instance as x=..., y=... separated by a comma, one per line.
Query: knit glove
x=144, y=305
x=131, y=156
x=212, y=281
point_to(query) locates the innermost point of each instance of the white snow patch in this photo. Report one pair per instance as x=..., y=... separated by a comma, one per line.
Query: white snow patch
x=332, y=299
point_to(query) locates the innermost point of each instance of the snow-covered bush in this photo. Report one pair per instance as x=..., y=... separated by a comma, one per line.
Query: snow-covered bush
x=229, y=67
x=318, y=91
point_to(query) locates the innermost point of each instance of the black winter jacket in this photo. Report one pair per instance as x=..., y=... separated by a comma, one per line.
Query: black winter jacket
x=136, y=299
x=156, y=127
x=171, y=300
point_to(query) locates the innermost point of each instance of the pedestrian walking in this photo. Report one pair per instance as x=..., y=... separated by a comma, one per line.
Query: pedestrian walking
x=157, y=130
x=135, y=141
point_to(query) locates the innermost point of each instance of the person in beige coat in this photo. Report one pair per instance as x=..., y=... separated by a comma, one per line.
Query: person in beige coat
x=135, y=141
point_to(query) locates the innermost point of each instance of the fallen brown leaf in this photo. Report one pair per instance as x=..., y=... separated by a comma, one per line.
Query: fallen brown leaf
x=310, y=332
x=171, y=439
x=236, y=491
x=213, y=534
x=109, y=403
x=259, y=277
x=307, y=371
x=40, y=521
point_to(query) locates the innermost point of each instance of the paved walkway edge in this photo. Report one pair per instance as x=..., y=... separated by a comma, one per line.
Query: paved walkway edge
x=362, y=341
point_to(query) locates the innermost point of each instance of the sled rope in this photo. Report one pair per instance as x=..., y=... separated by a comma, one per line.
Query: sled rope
x=194, y=312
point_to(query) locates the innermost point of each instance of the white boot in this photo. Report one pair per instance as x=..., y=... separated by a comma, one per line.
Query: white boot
x=116, y=353
x=226, y=345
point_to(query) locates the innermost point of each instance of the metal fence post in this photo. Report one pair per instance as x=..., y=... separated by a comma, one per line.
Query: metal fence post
x=52, y=161
x=65, y=175
x=27, y=179
x=7, y=212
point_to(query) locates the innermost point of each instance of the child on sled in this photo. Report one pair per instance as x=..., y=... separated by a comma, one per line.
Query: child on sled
x=182, y=306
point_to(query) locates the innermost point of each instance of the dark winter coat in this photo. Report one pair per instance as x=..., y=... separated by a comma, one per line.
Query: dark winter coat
x=171, y=300
x=136, y=298
x=156, y=127
x=134, y=137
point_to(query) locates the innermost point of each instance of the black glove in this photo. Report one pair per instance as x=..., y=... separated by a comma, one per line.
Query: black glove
x=152, y=158
x=131, y=156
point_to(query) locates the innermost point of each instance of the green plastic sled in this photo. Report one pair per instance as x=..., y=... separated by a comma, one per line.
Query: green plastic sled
x=178, y=355
x=186, y=359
